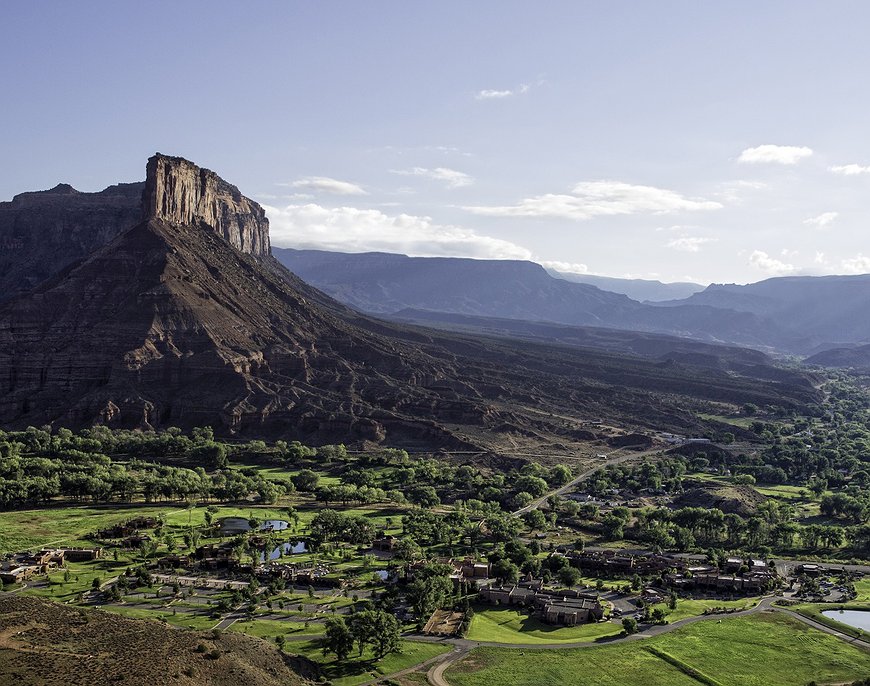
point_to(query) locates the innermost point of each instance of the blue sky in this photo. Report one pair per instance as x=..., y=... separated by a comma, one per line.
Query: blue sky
x=720, y=142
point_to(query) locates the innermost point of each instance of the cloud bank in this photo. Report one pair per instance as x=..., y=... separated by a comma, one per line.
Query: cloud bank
x=764, y=262
x=489, y=94
x=774, y=154
x=599, y=198
x=324, y=184
x=350, y=229
x=450, y=177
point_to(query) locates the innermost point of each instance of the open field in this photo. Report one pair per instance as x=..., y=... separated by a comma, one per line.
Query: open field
x=512, y=626
x=741, y=651
x=742, y=422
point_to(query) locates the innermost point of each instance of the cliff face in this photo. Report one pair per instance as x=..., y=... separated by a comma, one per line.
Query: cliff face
x=179, y=192
x=43, y=232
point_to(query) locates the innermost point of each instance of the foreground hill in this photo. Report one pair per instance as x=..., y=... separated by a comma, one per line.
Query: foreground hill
x=384, y=283
x=47, y=644
x=186, y=319
x=812, y=313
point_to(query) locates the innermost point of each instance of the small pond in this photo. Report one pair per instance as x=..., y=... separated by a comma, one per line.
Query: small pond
x=231, y=526
x=291, y=548
x=860, y=619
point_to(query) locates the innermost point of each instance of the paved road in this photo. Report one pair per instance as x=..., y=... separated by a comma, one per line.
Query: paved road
x=603, y=464
x=230, y=619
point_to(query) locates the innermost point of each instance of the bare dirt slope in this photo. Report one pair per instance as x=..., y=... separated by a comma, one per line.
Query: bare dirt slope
x=44, y=643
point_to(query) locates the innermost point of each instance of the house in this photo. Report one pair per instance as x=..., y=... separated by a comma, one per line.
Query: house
x=571, y=611
x=18, y=574
x=732, y=564
x=563, y=607
x=81, y=554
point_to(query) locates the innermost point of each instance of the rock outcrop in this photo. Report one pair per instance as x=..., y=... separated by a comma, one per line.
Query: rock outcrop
x=43, y=232
x=179, y=192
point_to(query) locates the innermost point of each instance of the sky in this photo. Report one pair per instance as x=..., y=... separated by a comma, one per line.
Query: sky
x=710, y=142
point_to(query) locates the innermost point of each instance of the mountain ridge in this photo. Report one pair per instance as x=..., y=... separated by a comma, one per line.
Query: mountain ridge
x=171, y=324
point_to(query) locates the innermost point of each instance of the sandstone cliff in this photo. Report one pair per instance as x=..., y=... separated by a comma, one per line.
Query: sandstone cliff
x=179, y=192
x=43, y=232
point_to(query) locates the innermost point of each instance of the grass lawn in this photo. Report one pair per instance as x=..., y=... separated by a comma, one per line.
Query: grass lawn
x=269, y=628
x=357, y=670
x=29, y=529
x=511, y=626
x=740, y=651
x=693, y=608
x=863, y=589
x=185, y=621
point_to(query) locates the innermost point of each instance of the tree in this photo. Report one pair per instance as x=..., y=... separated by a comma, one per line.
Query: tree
x=531, y=484
x=629, y=625
x=569, y=576
x=535, y=520
x=505, y=571
x=306, y=480
x=337, y=638
x=376, y=628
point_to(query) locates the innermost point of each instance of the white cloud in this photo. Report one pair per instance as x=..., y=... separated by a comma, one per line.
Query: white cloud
x=819, y=258
x=761, y=260
x=324, y=184
x=822, y=221
x=349, y=229
x=850, y=169
x=736, y=191
x=775, y=154
x=567, y=267
x=859, y=264
x=489, y=94
x=688, y=243
x=451, y=177
x=599, y=198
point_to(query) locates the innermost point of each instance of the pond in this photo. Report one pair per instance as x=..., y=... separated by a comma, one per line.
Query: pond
x=231, y=526
x=860, y=619
x=291, y=548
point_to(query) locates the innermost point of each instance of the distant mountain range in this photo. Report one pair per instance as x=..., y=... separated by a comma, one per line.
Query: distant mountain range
x=642, y=290
x=794, y=315
x=818, y=312
x=384, y=283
